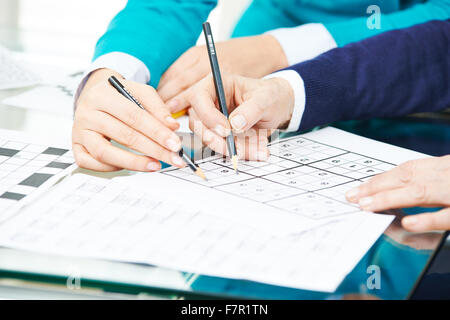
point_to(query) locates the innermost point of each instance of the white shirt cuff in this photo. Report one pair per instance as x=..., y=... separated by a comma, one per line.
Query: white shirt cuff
x=131, y=68
x=298, y=87
x=304, y=42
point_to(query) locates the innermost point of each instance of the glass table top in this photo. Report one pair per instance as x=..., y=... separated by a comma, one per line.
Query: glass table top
x=399, y=256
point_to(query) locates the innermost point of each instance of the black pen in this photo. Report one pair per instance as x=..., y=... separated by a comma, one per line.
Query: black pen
x=119, y=87
x=219, y=89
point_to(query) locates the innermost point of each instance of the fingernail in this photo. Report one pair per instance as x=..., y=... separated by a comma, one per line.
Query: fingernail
x=177, y=160
x=173, y=103
x=238, y=122
x=240, y=154
x=153, y=166
x=207, y=136
x=410, y=221
x=171, y=120
x=262, y=155
x=364, y=202
x=352, y=194
x=221, y=131
x=173, y=145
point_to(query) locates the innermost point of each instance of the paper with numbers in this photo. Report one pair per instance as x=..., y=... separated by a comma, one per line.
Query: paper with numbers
x=308, y=238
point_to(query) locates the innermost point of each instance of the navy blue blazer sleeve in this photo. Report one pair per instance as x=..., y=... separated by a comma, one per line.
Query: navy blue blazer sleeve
x=392, y=74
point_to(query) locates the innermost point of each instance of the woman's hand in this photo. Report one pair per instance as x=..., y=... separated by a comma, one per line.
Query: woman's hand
x=256, y=106
x=103, y=114
x=263, y=55
x=423, y=183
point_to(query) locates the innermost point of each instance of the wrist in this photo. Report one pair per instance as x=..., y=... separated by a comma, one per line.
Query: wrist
x=286, y=101
x=94, y=78
x=276, y=56
x=100, y=75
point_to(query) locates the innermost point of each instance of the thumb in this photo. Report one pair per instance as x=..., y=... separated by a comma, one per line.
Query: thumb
x=179, y=102
x=247, y=114
x=428, y=221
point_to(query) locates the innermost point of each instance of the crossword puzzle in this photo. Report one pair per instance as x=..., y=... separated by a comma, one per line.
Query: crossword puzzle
x=301, y=176
x=25, y=166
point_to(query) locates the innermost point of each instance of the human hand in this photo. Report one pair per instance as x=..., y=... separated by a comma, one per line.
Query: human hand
x=256, y=106
x=103, y=114
x=263, y=55
x=423, y=183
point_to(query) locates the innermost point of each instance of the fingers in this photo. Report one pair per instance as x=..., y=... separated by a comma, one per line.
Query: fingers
x=253, y=145
x=202, y=99
x=139, y=120
x=85, y=160
x=208, y=137
x=405, y=197
x=180, y=102
x=187, y=70
x=182, y=81
x=104, y=152
x=247, y=115
x=152, y=102
x=127, y=136
x=103, y=114
x=186, y=61
x=428, y=221
x=395, y=178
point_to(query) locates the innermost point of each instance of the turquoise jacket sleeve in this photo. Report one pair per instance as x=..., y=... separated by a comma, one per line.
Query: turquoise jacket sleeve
x=156, y=32
x=356, y=29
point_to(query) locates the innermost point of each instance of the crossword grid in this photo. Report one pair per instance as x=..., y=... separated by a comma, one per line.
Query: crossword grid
x=299, y=171
x=24, y=167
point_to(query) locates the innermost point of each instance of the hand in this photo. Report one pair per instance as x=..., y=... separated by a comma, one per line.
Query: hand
x=103, y=114
x=257, y=108
x=263, y=55
x=423, y=183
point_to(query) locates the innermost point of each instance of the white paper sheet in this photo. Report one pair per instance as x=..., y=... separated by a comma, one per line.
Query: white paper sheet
x=15, y=73
x=29, y=165
x=99, y=218
x=171, y=219
x=54, y=98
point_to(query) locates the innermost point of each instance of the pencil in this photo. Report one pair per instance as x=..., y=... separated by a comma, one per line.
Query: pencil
x=191, y=164
x=219, y=89
x=179, y=114
x=121, y=89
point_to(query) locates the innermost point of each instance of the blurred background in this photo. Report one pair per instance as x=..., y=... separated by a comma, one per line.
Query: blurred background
x=56, y=39
x=71, y=28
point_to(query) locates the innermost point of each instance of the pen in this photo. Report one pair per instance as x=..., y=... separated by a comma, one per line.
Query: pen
x=219, y=89
x=119, y=87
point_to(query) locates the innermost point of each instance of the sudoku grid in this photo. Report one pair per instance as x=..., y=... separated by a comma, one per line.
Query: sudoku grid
x=301, y=176
x=24, y=167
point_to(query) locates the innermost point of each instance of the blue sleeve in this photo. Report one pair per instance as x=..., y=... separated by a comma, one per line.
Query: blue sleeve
x=156, y=32
x=392, y=74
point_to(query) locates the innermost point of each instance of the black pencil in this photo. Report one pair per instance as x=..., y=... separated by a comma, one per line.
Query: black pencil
x=191, y=164
x=219, y=89
x=121, y=89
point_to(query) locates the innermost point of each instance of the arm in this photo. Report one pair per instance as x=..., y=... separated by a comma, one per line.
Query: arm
x=155, y=31
x=352, y=30
x=323, y=37
x=140, y=43
x=395, y=73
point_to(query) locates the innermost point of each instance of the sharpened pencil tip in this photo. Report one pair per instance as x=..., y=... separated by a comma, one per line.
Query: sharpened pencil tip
x=234, y=160
x=201, y=174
